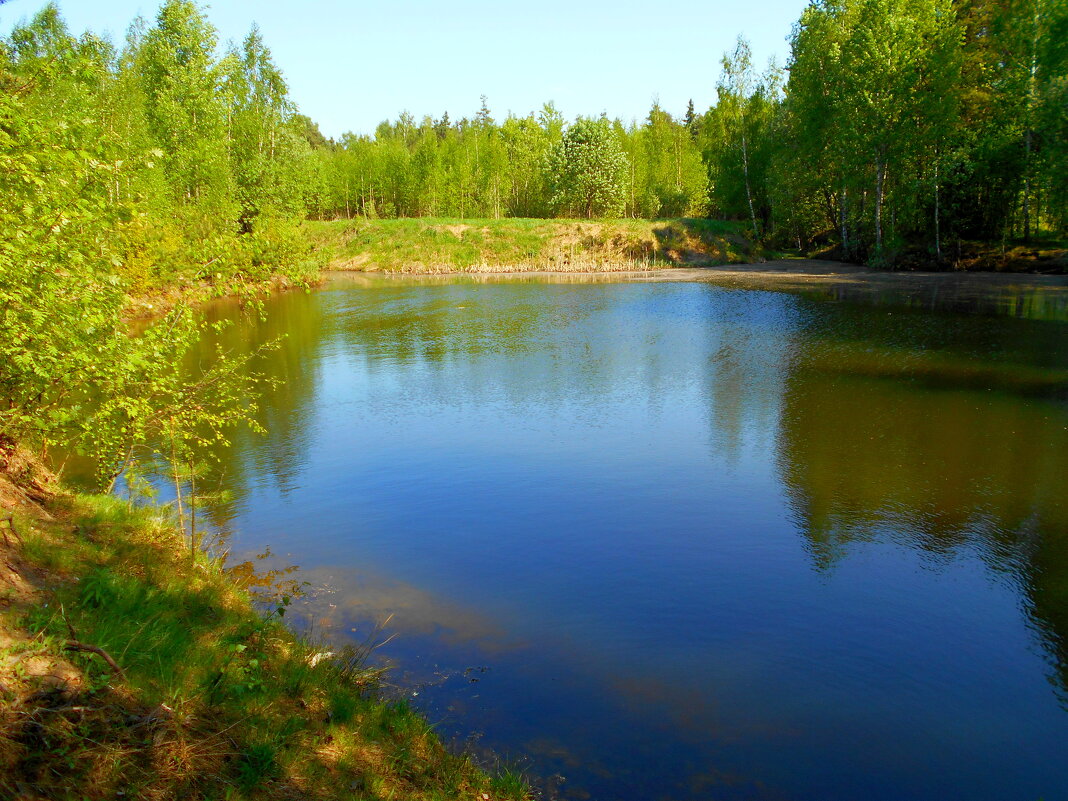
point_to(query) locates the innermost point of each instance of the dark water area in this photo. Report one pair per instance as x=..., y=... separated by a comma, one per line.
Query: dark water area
x=677, y=541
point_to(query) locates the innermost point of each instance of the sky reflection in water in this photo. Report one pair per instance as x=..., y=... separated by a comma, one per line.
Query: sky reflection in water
x=694, y=542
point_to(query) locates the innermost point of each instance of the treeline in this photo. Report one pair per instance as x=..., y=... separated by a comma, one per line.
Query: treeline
x=897, y=126
x=520, y=167
x=896, y=123
x=124, y=171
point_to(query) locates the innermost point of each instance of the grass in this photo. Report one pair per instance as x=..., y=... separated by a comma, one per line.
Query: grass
x=212, y=699
x=522, y=245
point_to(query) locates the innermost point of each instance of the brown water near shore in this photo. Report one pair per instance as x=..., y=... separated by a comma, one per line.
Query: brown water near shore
x=1013, y=294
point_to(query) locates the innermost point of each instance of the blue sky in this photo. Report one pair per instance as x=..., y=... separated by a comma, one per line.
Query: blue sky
x=352, y=64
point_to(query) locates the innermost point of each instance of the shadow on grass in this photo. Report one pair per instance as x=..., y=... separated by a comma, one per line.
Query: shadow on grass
x=214, y=699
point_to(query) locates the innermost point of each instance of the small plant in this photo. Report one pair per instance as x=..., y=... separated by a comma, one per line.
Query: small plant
x=510, y=783
x=343, y=706
x=96, y=590
x=256, y=765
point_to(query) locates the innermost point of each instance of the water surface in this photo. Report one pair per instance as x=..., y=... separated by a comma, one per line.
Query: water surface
x=677, y=541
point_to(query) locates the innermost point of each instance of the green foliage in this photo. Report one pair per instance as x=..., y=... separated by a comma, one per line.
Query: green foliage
x=154, y=169
x=667, y=177
x=587, y=171
x=256, y=764
x=176, y=67
x=59, y=295
x=509, y=783
x=917, y=121
x=268, y=149
x=478, y=168
x=736, y=138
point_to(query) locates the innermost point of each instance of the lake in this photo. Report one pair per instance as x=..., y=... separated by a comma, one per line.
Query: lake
x=670, y=540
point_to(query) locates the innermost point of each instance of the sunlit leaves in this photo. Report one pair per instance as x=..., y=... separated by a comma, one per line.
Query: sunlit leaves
x=588, y=171
x=115, y=179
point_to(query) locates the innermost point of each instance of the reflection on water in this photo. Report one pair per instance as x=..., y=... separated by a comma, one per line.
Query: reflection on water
x=1026, y=296
x=670, y=540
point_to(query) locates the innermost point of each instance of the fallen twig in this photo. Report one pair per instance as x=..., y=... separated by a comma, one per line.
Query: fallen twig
x=74, y=645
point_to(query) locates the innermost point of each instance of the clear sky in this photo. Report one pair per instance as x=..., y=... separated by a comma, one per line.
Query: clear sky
x=352, y=64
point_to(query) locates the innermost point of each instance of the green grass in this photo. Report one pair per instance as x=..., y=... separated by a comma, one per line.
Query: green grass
x=444, y=245
x=215, y=700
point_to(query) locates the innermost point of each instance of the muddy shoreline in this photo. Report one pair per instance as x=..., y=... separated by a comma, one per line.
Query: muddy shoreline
x=802, y=272
x=1014, y=294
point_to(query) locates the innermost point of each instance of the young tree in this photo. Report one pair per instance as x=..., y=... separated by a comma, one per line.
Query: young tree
x=671, y=178
x=527, y=146
x=59, y=297
x=691, y=121
x=587, y=171
x=186, y=117
x=266, y=141
x=736, y=89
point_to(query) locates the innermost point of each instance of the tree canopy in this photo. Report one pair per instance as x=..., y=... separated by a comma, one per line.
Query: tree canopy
x=587, y=171
x=127, y=172
x=163, y=162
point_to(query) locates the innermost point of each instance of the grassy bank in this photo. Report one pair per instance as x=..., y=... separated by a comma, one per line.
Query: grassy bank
x=524, y=245
x=131, y=667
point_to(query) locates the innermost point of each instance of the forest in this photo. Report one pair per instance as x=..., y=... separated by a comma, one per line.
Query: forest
x=142, y=176
x=895, y=124
x=897, y=129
